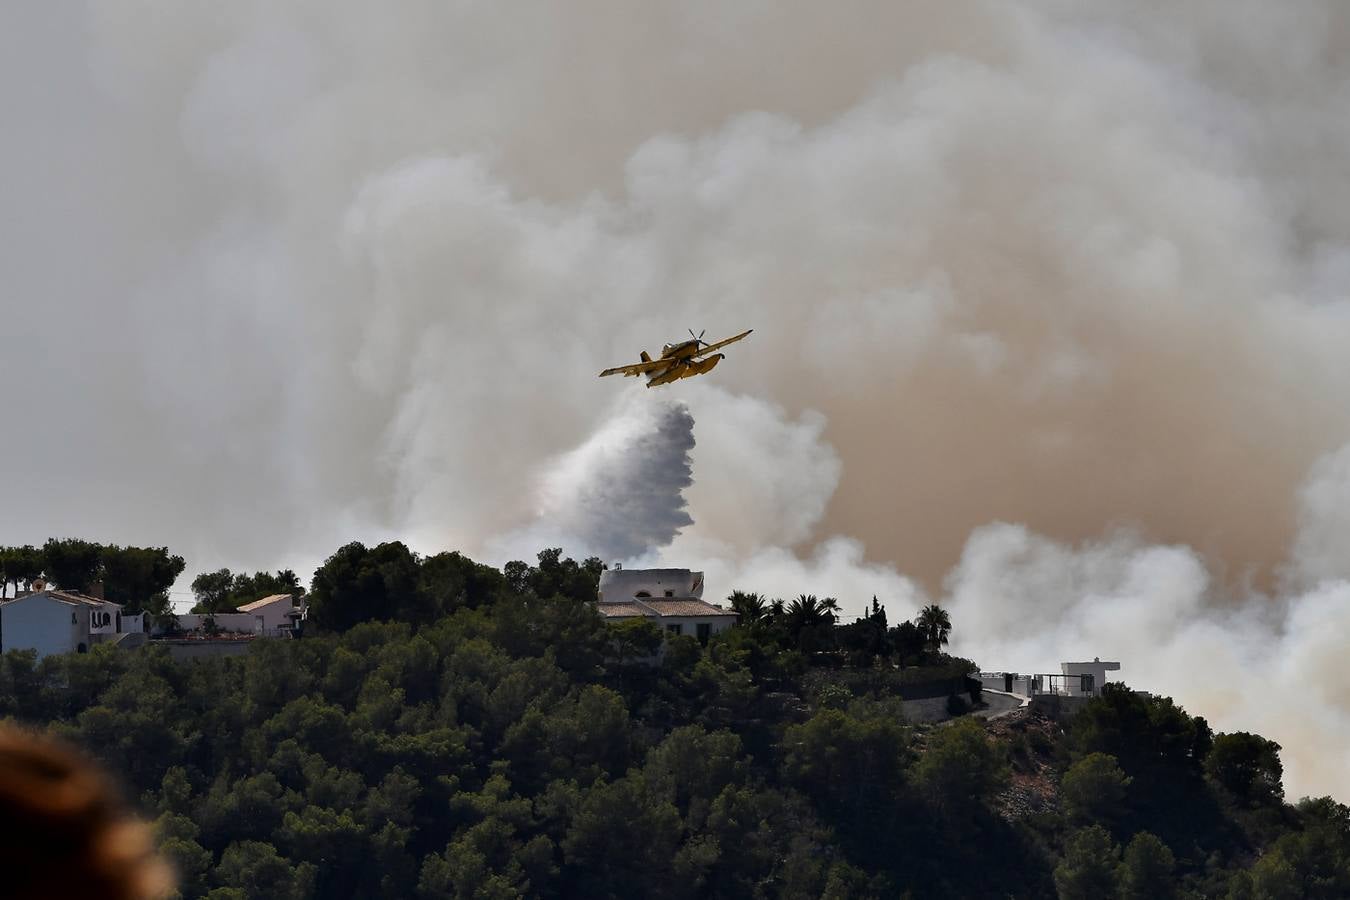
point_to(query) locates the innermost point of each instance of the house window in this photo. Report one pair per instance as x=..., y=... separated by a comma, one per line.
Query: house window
x=675, y=628
x=704, y=632
x=641, y=594
x=670, y=593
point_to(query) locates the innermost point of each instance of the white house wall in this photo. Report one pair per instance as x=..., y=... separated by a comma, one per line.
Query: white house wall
x=105, y=619
x=42, y=624
x=625, y=584
x=276, y=614
x=1097, y=669
x=689, y=623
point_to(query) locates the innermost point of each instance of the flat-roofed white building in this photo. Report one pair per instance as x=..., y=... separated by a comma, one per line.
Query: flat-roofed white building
x=673, y=598
x=1096, y=669
x=1075, y=679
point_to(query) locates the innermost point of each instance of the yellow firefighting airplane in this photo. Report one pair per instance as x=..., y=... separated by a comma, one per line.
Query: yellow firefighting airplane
x=682, y=360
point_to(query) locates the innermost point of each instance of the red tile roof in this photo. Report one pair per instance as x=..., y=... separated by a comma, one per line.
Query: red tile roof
x=66, y=597
x=627, y=610
x=686, y=607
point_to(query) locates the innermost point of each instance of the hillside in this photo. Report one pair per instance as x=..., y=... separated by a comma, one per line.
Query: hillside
x=489, y=742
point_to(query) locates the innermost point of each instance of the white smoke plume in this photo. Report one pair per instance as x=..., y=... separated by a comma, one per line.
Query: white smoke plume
x=1245, y=661
x=1321, y=550
x=625, y=493
x=620, y=493
x=280, y=275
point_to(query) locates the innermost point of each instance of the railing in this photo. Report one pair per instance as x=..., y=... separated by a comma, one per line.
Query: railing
x=1083, y=685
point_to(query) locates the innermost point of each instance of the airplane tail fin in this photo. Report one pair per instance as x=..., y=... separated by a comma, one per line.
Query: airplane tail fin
x=645, y=357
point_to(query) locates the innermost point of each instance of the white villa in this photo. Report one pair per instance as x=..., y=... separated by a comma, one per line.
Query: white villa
x=671, y=597
x=52, y=621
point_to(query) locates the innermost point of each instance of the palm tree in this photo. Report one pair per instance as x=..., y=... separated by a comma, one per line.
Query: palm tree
x=750, y=607
x=807, y=617
x=935, y=624
x=805, y=610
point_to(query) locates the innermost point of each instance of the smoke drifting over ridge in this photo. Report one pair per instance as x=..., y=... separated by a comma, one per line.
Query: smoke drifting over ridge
x=1247, y=662
x=281, y=275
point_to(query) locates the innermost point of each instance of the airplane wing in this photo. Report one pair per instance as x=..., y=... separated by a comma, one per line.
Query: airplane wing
x=641, y=368
x=711, y=347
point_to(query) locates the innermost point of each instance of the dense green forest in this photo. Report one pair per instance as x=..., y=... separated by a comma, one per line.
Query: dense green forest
x=446, y=729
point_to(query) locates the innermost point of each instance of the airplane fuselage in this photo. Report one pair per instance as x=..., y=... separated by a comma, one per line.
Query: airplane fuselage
x=684, y=368
x=682, y=350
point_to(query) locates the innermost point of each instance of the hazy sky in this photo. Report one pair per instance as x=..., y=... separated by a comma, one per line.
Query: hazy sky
x=1049, y=304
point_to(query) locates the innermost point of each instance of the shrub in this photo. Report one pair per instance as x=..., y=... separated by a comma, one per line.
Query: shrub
x=1094, y=788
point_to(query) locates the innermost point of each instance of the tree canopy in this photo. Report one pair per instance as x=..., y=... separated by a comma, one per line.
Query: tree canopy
x=446, y=729
x=136, y=577
x=1247, y=766
x=223, y=591
x=71, y=563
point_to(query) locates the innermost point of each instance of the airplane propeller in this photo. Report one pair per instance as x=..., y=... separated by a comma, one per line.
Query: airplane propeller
x=698, y=338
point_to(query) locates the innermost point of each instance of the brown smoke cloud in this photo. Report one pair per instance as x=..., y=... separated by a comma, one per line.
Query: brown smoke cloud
x=284, y=274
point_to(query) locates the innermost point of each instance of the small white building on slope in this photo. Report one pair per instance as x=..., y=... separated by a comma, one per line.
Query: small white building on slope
x=1077, y=684
x=278, y=615
x=1075, y=679
x=275, y=614
x=671, y=597
x=50, y=621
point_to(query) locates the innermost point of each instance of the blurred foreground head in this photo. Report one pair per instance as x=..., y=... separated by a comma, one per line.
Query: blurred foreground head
x=67, y=832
